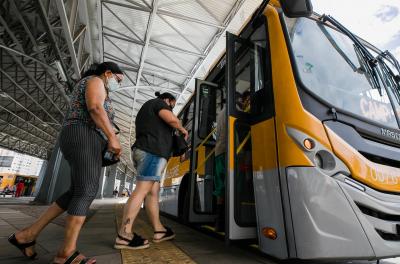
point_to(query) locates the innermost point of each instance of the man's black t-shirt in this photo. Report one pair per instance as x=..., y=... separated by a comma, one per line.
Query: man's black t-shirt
x=153, y=135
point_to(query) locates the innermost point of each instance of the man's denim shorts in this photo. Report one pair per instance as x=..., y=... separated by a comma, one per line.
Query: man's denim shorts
x=149, y=167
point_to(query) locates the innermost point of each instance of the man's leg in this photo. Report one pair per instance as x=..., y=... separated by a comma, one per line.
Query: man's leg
x=153, y=210
x=132, y=208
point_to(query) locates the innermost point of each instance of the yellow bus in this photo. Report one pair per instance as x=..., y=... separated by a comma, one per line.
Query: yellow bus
x=313, y=165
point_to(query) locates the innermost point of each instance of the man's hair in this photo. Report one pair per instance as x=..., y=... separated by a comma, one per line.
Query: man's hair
x=165, y=96
x=245, y=94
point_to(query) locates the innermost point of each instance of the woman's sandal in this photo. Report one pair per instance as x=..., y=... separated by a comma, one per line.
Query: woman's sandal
x=137, y=242
x=22, y=246
x=168, y=235
x=73, y=257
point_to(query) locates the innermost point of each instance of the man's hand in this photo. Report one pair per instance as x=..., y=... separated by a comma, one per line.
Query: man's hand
x=185, y=133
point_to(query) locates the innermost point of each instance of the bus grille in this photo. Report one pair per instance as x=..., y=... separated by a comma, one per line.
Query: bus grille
x=381, y=160
x=384, y=219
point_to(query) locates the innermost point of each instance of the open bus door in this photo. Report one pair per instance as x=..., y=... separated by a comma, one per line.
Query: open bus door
x=201, y=200
x=240, y=217
x=253, y=183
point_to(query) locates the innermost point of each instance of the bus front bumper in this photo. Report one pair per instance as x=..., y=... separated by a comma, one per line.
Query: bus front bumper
x=335, y=217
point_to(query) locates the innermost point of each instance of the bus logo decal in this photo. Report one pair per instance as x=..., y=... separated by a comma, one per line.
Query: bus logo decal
x=388, y=133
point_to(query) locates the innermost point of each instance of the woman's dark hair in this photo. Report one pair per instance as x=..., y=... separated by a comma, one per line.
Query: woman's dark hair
x=165, y=96
x=100, y=68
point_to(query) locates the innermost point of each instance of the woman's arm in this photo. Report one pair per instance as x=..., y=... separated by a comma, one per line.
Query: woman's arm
x=95, y=97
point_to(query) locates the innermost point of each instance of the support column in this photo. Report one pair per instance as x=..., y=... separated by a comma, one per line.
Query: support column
x=123, y=180
x=102, y=180
x=110, y=181
x=40, y=178
x=56, y=179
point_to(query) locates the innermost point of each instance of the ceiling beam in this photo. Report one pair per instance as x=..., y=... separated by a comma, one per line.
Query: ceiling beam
x=122, y=22
x=27, y=95
x=189, y=19
x=142, y=59
x=153, y=43
x=68, y=36
x=45, y=21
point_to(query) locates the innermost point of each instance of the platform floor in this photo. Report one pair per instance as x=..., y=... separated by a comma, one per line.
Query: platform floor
x=98, y=234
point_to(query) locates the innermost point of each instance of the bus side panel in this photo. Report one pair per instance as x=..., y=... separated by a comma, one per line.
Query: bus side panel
x=169, y=194
x=267, y=189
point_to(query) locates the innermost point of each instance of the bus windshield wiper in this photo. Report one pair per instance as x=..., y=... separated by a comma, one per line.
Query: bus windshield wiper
x=368, y=62
x=337, y=48
x=389, y=78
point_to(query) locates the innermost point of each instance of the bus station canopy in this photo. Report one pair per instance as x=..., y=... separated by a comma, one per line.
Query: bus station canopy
x=161, y=45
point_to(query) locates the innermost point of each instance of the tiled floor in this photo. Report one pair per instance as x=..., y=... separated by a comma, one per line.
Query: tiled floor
x=97, y=239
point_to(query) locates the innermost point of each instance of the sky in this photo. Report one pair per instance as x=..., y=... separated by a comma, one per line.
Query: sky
x=377, y=21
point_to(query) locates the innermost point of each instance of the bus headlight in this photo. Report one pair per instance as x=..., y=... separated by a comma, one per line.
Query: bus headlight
x=318, y=154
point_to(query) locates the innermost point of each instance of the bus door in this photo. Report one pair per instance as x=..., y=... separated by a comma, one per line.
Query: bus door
x=251, y=146
x=202, y=166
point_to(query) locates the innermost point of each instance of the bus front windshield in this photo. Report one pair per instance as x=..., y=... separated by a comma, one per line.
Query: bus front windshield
x=329, y=68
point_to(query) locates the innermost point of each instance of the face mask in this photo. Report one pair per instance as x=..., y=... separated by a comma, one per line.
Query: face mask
x=112, y=84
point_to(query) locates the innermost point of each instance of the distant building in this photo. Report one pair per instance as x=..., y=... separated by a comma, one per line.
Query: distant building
x=16, y=163
x=15, y=167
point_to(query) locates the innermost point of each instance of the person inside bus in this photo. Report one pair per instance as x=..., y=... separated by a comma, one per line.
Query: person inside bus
x=86, y=132
x=220, y=159
x=155, y=123
x=242, y=104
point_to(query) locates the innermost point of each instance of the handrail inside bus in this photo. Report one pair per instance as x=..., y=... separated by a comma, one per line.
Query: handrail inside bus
x=205, y=160
x=205, y=140
x=241, y=145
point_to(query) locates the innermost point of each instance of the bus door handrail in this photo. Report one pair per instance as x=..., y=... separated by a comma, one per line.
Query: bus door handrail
x=241, y=145
x=205, y=140
x=205, y=160
x=209, y=154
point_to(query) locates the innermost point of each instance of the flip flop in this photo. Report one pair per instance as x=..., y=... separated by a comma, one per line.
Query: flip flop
x=168, y=235
x=22, y=246
x=73, y=257
x=137, y=242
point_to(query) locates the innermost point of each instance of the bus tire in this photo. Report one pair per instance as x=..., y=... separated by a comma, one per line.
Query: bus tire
x=184, y=200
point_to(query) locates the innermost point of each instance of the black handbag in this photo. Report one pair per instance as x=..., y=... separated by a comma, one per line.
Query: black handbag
x=109, y=158
x=179, y=145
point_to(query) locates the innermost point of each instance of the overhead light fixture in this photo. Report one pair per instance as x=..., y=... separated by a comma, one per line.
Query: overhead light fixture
x=60, y=70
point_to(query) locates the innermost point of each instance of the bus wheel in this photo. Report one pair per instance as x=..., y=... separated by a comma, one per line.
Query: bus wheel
x=184, y=200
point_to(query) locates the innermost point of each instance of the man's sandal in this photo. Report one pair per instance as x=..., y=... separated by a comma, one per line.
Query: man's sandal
x=74, y=257
x=137, y=242
x=22, y=246
x=168, y=235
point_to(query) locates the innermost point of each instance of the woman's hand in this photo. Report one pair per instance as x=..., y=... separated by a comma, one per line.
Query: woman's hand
x=114, y=146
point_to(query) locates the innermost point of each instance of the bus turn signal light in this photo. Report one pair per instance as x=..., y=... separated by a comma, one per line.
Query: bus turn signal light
x=308, y=144
x=269, y=233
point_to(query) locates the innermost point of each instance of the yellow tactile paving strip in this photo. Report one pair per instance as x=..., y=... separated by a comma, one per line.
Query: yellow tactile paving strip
x=160, y=253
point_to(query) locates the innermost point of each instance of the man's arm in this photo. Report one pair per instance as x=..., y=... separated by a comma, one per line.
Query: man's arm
x=168, y=117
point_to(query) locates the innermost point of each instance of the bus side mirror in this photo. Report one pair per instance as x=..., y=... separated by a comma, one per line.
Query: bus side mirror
x=297, y=8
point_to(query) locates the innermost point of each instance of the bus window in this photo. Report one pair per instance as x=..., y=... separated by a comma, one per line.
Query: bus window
x=207, y=110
